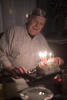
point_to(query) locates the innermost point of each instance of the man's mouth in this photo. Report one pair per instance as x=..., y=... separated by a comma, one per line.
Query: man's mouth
x=35, y=29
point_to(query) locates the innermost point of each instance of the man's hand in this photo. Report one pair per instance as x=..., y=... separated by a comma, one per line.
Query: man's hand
x=59, y=60
x=17, y=71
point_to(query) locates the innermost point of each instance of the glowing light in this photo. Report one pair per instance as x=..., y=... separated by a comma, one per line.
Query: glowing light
x=50, y=54
x=55, y=77
x=41, y=93
x=46, y=58
x=43, y=54
x=60, y=80
x=27, y=15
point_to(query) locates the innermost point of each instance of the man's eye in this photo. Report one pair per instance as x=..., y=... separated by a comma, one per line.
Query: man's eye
x=41, y=24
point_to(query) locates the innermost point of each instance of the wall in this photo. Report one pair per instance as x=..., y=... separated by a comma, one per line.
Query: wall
x=14, y=11
x=1, y=21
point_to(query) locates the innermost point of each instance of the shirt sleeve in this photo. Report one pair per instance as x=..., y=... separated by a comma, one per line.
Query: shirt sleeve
x=5, y=47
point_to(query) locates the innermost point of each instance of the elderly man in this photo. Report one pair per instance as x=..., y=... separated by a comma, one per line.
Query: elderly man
x=19, y=46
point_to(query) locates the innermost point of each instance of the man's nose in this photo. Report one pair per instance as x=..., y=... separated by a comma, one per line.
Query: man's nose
x=37, y=25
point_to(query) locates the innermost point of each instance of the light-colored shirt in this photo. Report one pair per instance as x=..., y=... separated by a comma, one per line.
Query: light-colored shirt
x=18, y=49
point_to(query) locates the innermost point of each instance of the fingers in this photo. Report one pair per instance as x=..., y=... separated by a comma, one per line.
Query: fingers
x=18, y=71
x=22, y=69
x=59, y=60
x=14, y=74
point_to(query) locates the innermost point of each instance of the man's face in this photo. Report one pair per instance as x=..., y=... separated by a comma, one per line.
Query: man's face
x=36, y=24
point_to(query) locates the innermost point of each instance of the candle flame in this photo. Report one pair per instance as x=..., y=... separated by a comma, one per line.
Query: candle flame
x=43, y=54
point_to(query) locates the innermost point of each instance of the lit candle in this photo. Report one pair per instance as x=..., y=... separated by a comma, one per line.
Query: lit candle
x=50, y=54
x=46, y=58
x=43, y=57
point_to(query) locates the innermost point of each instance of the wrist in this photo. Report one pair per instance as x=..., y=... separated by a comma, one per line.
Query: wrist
x=9, y=68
